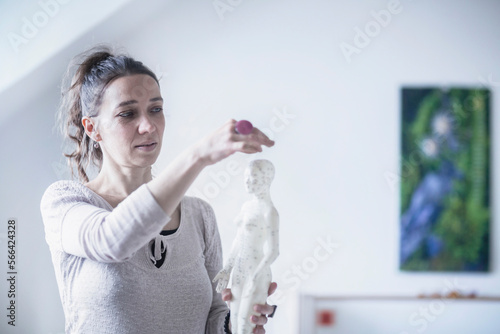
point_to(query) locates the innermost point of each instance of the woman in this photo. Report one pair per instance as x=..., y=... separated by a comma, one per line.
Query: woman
x=131, y=253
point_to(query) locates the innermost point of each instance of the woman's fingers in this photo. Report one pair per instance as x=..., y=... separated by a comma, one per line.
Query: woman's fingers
x=262, y=138
x=251, y=143
x=247, y=147
x=261, y=320
x=259, y=330
x=272, y=288
x=226, y=295
x=264, y=309
x=256, y=137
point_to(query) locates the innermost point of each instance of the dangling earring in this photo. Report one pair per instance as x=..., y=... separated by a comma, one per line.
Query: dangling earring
x=96, y=145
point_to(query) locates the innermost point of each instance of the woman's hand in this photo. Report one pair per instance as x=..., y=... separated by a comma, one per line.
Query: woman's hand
x=263, y=309
x=226, y=141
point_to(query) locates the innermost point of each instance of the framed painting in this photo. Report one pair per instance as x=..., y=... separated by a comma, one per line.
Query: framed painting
x=445, y=180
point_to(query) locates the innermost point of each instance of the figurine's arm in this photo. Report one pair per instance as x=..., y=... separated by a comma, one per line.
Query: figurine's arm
x=272, y=251
x=238, y=241
x=224, y=275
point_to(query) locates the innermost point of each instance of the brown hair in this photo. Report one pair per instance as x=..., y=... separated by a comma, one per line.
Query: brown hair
x=87, y=77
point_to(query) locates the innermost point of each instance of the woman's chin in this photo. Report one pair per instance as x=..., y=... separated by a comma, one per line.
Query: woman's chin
x=145, y=161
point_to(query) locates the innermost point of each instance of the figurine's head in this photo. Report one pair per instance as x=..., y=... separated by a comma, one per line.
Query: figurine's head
x=258, y=176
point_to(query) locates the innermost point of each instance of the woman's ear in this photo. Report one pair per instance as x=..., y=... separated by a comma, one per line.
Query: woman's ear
x=90, y=128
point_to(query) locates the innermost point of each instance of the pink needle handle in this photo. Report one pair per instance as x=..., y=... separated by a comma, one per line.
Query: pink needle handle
x=244, y=127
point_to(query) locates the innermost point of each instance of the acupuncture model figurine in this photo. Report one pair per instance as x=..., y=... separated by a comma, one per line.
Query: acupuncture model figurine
x=256, y=246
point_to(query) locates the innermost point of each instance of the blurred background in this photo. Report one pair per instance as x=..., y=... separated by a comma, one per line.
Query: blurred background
x=322, y=78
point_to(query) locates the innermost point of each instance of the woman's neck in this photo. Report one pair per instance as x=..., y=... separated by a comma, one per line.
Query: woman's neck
x=119, y=182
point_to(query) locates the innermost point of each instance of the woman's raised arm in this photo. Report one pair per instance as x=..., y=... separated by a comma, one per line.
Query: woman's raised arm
x=173, y=182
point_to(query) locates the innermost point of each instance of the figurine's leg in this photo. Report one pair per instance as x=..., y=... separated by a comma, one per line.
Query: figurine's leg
x=237, y=292
x=257, y=296
x=235, y=308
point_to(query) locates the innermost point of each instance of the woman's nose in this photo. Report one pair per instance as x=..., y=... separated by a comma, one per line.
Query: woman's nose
x=146, y=125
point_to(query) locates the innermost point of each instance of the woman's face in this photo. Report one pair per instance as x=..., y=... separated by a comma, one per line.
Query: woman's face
x=131, y=122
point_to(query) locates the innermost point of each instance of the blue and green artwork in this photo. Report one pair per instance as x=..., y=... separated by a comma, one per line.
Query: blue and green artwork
x=445, y=180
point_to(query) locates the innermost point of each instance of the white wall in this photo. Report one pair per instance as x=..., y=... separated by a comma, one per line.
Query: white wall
x=263, y=60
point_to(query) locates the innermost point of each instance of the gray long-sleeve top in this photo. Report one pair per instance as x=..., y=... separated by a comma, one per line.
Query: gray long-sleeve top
x=104, y=263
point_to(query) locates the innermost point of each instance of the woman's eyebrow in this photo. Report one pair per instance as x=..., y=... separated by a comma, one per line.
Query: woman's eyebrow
x=125, y=103
x=154, y=99
x=129, y=102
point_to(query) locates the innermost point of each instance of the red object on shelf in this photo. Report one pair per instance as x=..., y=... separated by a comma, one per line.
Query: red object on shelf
x=325, y=318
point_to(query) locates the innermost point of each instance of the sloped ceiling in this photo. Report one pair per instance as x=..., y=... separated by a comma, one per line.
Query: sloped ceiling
x=38, y=38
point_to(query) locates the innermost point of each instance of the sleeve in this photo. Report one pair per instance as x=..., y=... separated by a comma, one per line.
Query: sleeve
x=213, y=263
x=75, y=226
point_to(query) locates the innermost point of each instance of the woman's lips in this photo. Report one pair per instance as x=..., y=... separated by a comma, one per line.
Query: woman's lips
x=147, y=147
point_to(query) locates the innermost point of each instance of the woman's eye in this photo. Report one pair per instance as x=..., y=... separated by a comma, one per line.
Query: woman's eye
x=157, y=109
x=126, y=114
